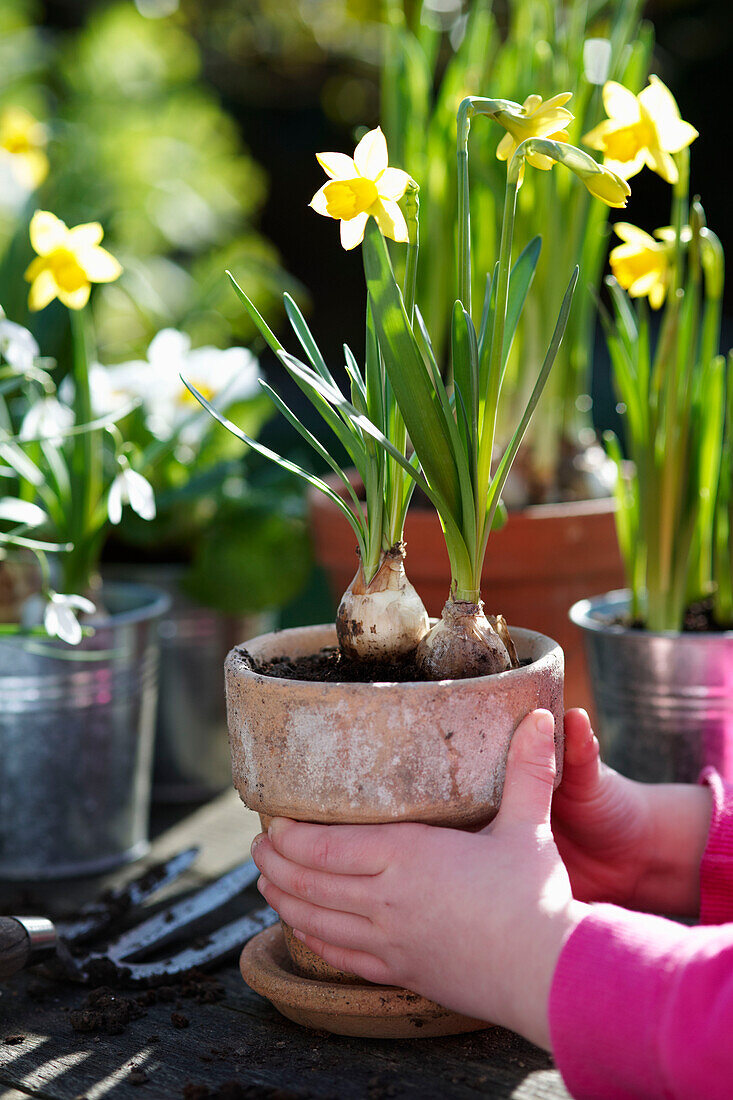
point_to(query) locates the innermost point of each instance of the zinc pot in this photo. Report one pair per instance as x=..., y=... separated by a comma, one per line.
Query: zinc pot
x=191, y=761
x=544, y=559
x=664, y=700
x=378, y=752
x=76, y=742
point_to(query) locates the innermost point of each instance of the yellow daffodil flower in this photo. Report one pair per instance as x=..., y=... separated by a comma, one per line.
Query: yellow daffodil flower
x=24, y=139
x=534, y=119
x=361, y=188
x=68, y=262
x=639, y=130
x=642, y=265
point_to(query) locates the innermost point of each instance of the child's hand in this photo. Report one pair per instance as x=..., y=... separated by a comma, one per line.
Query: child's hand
x=474, y=921
x=634, y=844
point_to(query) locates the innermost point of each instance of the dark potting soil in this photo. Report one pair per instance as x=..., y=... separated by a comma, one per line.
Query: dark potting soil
x=699, y=619
x=106, y=1011
x=330, y=666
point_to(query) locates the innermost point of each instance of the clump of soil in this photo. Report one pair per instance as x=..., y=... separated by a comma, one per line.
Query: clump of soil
x=330, y=666
x=104, y=1012
x=203, y=989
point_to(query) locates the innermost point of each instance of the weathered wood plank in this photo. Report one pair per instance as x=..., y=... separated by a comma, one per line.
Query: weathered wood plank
x=245, y=1039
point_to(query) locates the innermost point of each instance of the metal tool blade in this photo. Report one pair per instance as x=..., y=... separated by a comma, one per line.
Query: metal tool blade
x=221, y=945
x=95, y=917
x=166, y=925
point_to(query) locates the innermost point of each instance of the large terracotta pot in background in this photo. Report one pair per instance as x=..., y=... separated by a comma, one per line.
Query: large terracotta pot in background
x=543, y=560
x=355, y=753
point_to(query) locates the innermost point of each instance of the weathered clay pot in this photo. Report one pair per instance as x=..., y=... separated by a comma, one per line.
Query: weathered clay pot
x=366, y=753
x=545, y=558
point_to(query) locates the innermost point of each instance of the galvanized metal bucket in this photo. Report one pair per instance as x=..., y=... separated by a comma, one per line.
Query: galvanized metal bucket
x=664, y=701
x=76, y=743
x=192, y=760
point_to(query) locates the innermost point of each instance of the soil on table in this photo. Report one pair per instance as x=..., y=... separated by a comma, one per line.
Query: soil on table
x=329, y=666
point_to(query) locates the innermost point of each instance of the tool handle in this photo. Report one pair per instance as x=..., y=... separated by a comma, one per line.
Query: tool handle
x=23, y=939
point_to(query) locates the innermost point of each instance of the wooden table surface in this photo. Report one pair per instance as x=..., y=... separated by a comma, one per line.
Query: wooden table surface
x=240, y=1038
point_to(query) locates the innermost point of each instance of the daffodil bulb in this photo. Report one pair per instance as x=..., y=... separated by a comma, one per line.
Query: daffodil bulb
x=465, y=643
x=385, y=619
x=130, y=488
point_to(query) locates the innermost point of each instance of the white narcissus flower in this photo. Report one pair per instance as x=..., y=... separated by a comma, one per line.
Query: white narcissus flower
x=17, y=346
x=232, y=373
x=111, y=388
x=60, y=619
x=130, y=488
x=156, y=382
x=48, y=419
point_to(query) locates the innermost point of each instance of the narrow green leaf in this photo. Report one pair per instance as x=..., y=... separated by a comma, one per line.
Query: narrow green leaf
x=256, y=317
x=304, y=376
x=415, y=395
x=285, y=463
x=520, y=281
x=499, y=479
x=306, y=338
x=311, y=440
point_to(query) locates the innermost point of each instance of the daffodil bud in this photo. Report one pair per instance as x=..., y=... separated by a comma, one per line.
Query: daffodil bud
x=600, y=181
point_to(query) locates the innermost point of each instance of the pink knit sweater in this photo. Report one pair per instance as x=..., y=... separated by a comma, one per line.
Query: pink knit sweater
x=641, y=1006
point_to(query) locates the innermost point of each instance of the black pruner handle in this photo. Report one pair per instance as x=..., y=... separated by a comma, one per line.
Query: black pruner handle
x=24, y=940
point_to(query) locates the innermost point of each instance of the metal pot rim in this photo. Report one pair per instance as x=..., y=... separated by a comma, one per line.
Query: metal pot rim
x=152, y=602
x=584, y=614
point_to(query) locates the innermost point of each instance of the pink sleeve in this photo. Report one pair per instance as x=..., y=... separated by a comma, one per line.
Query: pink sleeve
x=716, y=870
x=642, y=1007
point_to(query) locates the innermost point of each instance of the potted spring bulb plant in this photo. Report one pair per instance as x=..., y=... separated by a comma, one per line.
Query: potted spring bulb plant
x=425, y=738
x=559, y=540
x=78, y=666
x=661, y=652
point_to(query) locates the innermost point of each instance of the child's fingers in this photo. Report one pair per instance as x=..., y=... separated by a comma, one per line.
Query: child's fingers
x=530, y=771
x=340, y=849
x=340, y=929
x=345, y=893
x=582, y=763
x=366, y=966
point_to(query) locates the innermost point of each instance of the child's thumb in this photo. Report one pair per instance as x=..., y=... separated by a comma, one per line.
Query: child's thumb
x=530, y=770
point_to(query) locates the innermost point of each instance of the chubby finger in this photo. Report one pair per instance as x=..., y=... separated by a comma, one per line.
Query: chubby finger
x=361, y=963
x=339, y=849
x=347, y=893
x=582, y=763
x=530, y=771
x=341, y=929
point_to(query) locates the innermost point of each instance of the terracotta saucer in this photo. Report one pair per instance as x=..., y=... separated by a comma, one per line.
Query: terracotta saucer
x=369, y=1011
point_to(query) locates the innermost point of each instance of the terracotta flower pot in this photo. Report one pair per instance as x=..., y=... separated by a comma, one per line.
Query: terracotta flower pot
x=346, y=753
x=543, y=560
